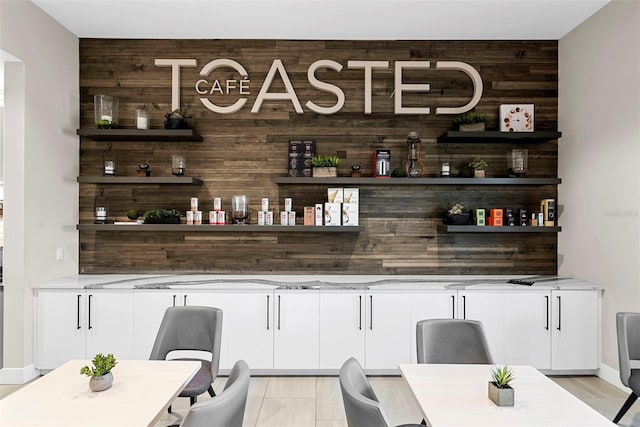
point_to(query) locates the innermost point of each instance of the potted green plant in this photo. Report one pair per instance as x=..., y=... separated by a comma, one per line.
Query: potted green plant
x=162, y=216
x=133, y=214
x=176, y=119
x=457, y=214
x=100, y=372
x=325, y=166
x=478, y=166
x=471, y=122
x=500, y=392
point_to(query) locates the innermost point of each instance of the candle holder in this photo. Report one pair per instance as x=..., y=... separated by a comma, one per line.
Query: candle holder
x=142, y=118
x=109, y=162
x=177, y=165
x=106, y=111
x=414, y=167
x=100, y=208
x=517, y=163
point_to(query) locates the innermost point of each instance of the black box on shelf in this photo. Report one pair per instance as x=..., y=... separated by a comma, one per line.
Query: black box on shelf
x=524, y=220
x=299, y=158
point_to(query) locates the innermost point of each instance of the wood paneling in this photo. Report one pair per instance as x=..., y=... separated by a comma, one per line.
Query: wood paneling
x=242, y=153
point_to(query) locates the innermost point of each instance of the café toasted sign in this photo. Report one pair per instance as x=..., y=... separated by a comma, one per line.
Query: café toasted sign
x=239, y=88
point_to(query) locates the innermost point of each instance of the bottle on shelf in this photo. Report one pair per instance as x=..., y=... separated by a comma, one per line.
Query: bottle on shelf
x=414, y=167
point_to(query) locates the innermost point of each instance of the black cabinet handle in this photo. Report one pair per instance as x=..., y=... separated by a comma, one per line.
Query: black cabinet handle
x=279, y=312
x=78, y=314
x=464, y=307
x=546, y=298
x=371, y=313
x=174, y=300
x=360, y=312
x=185, y=300
x=267, y=312
x=559, y=313
x=453, y=306
x=90, y=296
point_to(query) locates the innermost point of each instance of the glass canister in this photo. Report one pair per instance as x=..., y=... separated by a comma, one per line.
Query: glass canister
x=142, y=118
x=106, y=111
x=517, y=162
x=414, y=167
x=178, y=165
x=100, y=208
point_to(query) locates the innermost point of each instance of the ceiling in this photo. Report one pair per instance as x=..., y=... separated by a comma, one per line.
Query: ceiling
x=322, y=19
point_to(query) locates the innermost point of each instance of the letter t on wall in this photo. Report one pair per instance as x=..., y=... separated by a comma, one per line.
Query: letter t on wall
x=175, y=65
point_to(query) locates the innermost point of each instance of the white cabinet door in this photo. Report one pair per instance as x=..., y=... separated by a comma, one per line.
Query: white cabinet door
x=574, y=333
x=430, y=305
x=109, y=323
x=388, y=329
x=527, y=328
x=60, y=327
x=248, y=323
x=487, y=307
x=297, y=323
x=149, y=306
x=342, y=328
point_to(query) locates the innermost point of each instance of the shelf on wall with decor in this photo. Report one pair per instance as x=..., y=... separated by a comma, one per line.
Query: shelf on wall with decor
x=499, y=137
x=141, y=135
x=416, y=181
x=488, y=229
x=139, y=180
x=233, y=228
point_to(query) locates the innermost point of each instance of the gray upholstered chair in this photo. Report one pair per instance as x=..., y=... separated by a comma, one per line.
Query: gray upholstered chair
x=455, y=341
x=192, y=329
x=628, y=326
x=227, y=408
x=360, y=402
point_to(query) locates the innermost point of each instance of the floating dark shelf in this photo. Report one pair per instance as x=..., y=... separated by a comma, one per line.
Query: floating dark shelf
x=498, y=137
x=416, y=181
x=504, y=229
x=140, y=135
x=221, y=228
x=139, y=180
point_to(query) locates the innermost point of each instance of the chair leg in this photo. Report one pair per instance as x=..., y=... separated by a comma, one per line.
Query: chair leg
x=627, y=404
x=192, y=400
x=211, y=392
x=169, y=409
x=423, y=422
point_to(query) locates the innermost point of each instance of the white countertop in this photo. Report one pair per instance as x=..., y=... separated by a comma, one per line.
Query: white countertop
x=253, y=282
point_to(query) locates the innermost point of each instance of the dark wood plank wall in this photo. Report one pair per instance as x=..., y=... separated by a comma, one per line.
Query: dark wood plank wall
x=243, y=152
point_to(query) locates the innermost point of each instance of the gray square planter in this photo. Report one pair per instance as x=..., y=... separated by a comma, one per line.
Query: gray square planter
x=501, y=396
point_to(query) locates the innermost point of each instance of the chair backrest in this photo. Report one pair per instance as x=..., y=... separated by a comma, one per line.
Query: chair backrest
x=452, y=341
x=190, y=328
x=360, y=402
x=628, y=328
x=225, y=409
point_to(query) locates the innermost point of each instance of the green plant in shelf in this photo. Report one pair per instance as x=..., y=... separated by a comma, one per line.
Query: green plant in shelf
x=106, y=124
x=470, y=117
x=162, y=216
x=478, y=164
x=332, y=161
x=502, y=376
x=457, y=209
x=102, y=365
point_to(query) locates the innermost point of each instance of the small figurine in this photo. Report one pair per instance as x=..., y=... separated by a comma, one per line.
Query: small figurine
x=356, y=171
x=143, y=169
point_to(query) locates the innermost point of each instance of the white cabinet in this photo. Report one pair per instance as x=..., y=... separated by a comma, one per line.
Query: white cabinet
x=487, y=306
x=388, y=329
x=342, y=328
x=574, y=329
x=527, y=330
x=248, y=323
x=430, y=305
x=296, y=329
x=149, y=306
x=77, y=324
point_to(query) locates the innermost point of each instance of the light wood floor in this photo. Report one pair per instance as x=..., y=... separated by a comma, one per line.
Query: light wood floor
x=317, y=402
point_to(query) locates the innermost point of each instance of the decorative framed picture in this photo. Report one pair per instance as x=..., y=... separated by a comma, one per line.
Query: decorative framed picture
x=516, y=118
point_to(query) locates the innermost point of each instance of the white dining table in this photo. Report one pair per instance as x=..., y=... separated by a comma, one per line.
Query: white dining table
x=141, y=391
x=457, y=396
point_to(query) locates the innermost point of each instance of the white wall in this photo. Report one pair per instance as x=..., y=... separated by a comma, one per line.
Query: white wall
x=599, y=161
x=41, y=165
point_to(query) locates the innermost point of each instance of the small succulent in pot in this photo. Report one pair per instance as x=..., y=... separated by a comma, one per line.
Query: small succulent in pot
x=162, y=216
x=502, y=376
x=100, y=374
x=176, y=119
x=457, y=214
x=478, y=166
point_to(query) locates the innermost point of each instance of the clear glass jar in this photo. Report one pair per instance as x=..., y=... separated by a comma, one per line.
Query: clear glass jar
x=106, y=111
x=142, y=119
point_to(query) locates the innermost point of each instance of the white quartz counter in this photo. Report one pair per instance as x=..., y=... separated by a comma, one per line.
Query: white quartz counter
x=253, y=282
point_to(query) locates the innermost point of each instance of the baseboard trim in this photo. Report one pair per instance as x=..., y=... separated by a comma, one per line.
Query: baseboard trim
x=612, y=376
x=18, y=375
